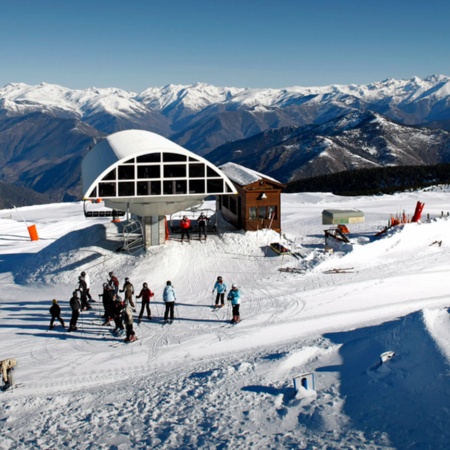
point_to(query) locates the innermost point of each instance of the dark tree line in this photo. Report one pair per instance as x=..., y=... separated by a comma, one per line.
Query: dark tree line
x=384, y=180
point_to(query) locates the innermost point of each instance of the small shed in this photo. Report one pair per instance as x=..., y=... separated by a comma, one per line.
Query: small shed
x=341, y=216
x=258, y=201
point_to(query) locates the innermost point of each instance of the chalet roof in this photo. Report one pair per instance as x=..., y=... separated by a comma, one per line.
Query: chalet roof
x=243, y=175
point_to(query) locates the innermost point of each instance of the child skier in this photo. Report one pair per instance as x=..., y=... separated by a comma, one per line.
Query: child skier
x=146, y=294
x=221, y=288
x=235, y=297
x=55, y=311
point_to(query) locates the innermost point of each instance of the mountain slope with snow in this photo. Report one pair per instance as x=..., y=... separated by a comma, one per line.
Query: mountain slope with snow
x=203, y=383
x=202, y=118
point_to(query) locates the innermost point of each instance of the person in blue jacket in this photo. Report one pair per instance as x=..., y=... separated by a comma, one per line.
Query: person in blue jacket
x=235, y=297
x=169, y=297
x=221, y=287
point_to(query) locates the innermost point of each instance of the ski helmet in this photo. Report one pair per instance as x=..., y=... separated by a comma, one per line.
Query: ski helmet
x=234, y=286
x=127, y=279
x=219, y=278
x=83, y=274
x=111, y=274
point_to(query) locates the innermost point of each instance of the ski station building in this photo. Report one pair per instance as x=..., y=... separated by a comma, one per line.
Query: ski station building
x=147, y=175
x=258, y=203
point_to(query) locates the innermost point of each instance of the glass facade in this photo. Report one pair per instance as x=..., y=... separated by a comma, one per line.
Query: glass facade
x=160, y=173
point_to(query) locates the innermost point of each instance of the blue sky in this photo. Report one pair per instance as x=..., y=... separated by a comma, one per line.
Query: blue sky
x=137, y=44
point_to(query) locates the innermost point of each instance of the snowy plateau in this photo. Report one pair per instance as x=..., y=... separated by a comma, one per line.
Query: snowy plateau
x=202, y=383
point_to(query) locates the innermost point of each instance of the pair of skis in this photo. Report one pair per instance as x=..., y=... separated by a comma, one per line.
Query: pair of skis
x=11, y=389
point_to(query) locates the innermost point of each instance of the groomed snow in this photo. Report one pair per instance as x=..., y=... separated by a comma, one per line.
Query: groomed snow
x=203, y=383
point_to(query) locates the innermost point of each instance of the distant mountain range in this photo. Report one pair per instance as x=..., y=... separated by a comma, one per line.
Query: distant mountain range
x=45, y=130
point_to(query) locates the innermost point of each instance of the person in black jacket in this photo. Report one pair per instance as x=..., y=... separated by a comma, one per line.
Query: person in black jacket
x=82, y=287
x=108, y=303
x=75, y=305
x=202, y=221
x=55, y=311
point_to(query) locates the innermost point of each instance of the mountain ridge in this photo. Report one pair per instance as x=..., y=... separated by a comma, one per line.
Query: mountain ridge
x=51, y=120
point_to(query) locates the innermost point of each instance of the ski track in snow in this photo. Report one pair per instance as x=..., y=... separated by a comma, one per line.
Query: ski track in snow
x=203, y=383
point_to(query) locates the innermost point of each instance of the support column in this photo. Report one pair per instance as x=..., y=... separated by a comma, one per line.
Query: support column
x=154, y=229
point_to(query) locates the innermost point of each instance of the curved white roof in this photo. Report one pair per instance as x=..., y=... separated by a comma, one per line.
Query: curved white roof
x=149, y=174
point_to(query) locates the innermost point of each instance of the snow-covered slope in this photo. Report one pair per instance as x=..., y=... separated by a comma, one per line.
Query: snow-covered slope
x=203, y=383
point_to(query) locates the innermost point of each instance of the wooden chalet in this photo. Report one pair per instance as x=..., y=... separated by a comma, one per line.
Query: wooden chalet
x=257, y=204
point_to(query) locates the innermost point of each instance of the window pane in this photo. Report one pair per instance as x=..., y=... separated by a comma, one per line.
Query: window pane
x=175, y=171
x=172, y=157
x=225, y=201
x=252, y=213
x=214, y=186
x=93, y=193
x=181, y=187
x=111, y=175
x=261, y=212
x=130, y=161
x=149, y=171
x=151, y=157
x=212, y=173
x=271, y=212
x=126, y=189
x=126, y=172
x=107, y=189
x=149, y=188
x=169, y=187
x=197, y=186
x=196, y=170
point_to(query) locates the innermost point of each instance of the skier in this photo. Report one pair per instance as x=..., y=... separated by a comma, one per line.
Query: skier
x=235, y=297
x=7, y=369
x=107, y=298
x=118, y=306
x=82, y=287
x=88, y=285
x=221, y=288
x=113, y=282
x=169, y=297
x=145, y=293
x=185, y=225
x=75, y=305
x=128, y=288
x=202, y=221
x=128, y=318
x=55, y=311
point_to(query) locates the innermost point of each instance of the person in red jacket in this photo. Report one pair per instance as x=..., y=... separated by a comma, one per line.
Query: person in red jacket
x=185, y=224
x=145, y=293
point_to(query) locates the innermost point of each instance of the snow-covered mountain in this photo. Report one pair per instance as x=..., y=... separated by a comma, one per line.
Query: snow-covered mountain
x=354, y=141
x=414, y=101
x=199, y=117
